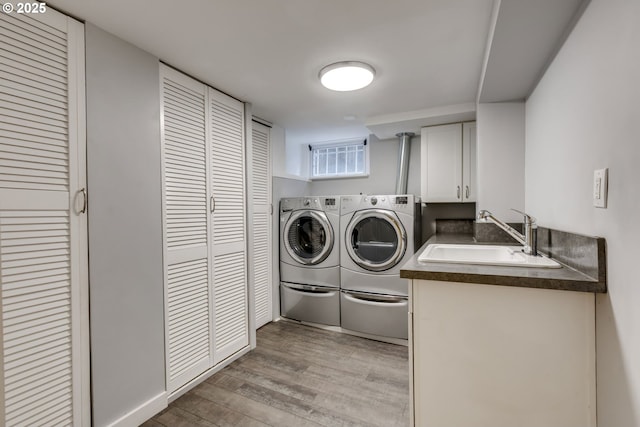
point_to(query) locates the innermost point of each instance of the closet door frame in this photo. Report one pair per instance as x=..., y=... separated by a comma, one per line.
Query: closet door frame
x=79, y=212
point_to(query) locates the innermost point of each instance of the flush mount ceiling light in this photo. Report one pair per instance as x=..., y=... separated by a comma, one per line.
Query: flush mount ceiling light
x=347, y=75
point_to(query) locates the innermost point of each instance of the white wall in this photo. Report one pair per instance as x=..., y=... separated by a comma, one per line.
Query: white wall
x=584, y=115
x=125, y=229
x=501, y=159
x=383, y=165
x=278, y=151
x=297, y=158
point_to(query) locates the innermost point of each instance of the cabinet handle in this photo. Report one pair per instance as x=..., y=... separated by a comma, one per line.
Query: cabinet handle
x=458, y=192
x=466, y=191
x=212, y=204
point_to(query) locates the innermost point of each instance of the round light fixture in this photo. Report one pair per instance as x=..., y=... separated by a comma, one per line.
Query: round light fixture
x=347, y=75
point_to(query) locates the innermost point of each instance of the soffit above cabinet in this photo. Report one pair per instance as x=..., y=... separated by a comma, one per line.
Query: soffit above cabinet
x=524, y=39
x=387, y=126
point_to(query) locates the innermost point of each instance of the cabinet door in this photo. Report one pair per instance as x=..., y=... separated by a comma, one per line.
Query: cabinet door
x=185, y=222
x=469, y=162
x=441, y=170
x=260, y=237
x=487, y=349
x=228, y=234
x=44, y=349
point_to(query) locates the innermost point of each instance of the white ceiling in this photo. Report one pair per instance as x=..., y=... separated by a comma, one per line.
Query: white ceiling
x=428, y=54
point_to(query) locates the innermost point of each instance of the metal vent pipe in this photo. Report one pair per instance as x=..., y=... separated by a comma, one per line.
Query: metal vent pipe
x=404, y=152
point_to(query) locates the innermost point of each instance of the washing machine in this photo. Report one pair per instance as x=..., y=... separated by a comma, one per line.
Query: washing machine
x=379, y=234
x=310, y=259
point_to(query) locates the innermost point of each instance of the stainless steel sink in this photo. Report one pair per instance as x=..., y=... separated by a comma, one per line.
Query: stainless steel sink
x=485, y=255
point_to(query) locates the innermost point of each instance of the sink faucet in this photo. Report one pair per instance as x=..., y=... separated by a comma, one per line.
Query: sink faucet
x=529, y=240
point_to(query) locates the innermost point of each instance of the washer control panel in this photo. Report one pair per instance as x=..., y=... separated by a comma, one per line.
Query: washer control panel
x=330, y=203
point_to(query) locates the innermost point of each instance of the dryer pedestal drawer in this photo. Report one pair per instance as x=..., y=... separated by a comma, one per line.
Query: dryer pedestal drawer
x=315, y=304
x=382, y=315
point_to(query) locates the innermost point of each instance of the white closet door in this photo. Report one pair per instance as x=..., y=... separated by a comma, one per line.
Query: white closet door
x=185, y=223
x=43, y=235
x=260, y=239
x=229, y=268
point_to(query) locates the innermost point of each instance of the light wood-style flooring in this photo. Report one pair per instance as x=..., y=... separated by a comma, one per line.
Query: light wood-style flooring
x=301, y=376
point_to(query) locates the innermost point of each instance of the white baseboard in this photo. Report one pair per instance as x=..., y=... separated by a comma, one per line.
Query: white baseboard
x=143, y=412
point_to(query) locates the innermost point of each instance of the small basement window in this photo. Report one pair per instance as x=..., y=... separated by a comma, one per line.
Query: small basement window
x=339, y=159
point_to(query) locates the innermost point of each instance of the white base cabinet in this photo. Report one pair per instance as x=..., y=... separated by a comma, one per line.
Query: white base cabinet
x=500, y=356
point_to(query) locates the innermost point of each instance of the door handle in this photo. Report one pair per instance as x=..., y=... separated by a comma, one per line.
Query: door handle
x=85, y=200
x=212, y=204
x=466, y=191
x=458, y=192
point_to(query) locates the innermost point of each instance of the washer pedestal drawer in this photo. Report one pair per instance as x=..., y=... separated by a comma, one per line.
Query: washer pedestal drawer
x=308, y=303
x=375, y=314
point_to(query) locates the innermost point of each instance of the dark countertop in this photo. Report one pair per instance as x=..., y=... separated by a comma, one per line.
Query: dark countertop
x=564, y=278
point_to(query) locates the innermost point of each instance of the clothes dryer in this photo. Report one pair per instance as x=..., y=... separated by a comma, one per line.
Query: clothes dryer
x=379, y=234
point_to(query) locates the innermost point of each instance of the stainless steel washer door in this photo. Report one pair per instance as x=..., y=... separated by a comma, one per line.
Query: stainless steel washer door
x=308, y=236
x=375, y=239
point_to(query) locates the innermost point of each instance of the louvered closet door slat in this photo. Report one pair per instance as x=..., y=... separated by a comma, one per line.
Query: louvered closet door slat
x=262, y=272
x=260, y=185
x=20, y=122
x=231, y=322
x=42, y=236
x=186, y=221
x=261, y=235
x=227, y=160
x=227, y=169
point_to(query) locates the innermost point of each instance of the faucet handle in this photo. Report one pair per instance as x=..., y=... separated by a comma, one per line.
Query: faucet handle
x=483, y=214
x=528, y=219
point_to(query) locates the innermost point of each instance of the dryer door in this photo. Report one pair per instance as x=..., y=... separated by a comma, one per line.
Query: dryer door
x=375, y=239
x=308, y=236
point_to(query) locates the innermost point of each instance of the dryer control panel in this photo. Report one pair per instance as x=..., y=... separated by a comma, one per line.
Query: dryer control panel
x=398, y=203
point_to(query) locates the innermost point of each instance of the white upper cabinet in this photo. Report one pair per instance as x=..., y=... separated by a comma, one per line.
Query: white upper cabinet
x=448, y=163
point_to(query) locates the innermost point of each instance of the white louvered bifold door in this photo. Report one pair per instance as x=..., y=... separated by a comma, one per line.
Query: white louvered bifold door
x=229, y=268
x=260, y=239
x=185, y=222
x=43, y=236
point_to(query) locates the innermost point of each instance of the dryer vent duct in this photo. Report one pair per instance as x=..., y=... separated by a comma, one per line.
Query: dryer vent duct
x=403, y=161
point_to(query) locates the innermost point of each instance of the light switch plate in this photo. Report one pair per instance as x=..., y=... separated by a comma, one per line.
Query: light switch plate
x=600, y=187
